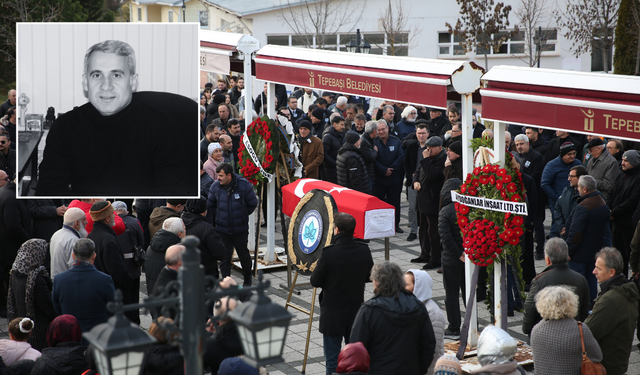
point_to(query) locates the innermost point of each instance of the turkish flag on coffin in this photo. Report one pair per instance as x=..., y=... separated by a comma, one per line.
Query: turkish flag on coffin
x=374, y=218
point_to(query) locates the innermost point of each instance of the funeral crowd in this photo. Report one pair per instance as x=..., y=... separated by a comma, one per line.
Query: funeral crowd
x=62, y=260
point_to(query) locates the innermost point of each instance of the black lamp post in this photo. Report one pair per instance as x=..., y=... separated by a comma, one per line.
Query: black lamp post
x=184, y=9
x=262, y=325
x=359, y=45
x=539, y=41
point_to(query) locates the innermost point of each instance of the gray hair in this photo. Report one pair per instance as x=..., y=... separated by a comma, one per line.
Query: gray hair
x=557, y=302
x=341, y=101
x=389, y=277
x=521, y=138
x=116, y=47
x=370, y=126
x=203, y=109
x=507, y=135
x=588, y=182
x=389, y=107
x=556, y=249
x=611, y=258
x=84, y=249
x=383, y=122
x=173, y=225
x=407, y=111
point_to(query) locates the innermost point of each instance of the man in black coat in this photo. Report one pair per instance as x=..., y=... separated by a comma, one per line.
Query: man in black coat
x=439, y=124
x=332, y=140
x=169, y=273
x=352, y=172
x=411, y=144
x=172, y=232
x=556, y=254
x=211, y=246
x=341, y=272
x=47, y=216
x=225, y=342
x=428, y=181
x=368, y=148
x=131, y=238
x=109, y=254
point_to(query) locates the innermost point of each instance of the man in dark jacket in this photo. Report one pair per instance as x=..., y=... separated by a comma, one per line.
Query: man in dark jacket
x=411, y=144
x=428, y=181
x=452, y=258
x=368, y=149
x=394, y=326
x=131, y=238
x=439, y=124
x=556, y=143
x=556, y=273
x=613, y=318
x=172, y=232
x=83, y=291
x=225, y=342
x=109, y=254
x=232, y=200
x=173, y=208
x=210, y=246
x=453, y=164
x=387, y=185
x=588, y=230
x=623, y=202
x=168, y=273
x=352, y=172
x=341, y=272
x=536, y=141
x=332, y=140
x=47, y=216
x=568, y=199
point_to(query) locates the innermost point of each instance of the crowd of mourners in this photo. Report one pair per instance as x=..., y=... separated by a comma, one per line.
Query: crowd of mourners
x=62, y=260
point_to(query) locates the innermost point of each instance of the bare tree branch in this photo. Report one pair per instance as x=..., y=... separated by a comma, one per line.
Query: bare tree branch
x=394, y=20
x=532, y=14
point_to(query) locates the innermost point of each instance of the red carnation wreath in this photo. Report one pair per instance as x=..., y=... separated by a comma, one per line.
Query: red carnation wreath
x=261, y=137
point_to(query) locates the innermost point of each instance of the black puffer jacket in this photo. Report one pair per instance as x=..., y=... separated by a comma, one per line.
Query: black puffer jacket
x=211, y=247
x=448, y=228
x=352, y=172
x=439, y=126
x=67, y=358
x=332, y=140
x=155, y=256
x=164, y=359
x=368, y=153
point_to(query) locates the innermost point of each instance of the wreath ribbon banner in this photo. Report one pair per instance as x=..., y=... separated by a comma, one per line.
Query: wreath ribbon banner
x=254, y=157
x=516, y=208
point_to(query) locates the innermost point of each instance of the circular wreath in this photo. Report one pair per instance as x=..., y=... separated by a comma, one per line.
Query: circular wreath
x=490, y=234
x=262, y=137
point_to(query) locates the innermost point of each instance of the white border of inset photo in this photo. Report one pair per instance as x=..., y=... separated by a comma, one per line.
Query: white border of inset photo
x=50, y=68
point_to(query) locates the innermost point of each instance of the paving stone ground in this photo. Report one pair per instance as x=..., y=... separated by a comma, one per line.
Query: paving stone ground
x=401, y=251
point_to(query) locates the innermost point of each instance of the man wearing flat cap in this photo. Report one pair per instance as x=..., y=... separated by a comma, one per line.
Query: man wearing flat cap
x=311, y=150
x=428, y=181
x=109, y=255
x=555, y=179
x=623, y=202
x=602, y=166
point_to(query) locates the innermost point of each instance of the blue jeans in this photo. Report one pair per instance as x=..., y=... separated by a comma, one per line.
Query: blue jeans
x=586, y=270
x=332, y=346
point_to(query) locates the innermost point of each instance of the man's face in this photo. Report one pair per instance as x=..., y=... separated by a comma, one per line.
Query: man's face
x=433, y=151
x=351, y=115
x=203, y=115
x=235, y=129
x=532, y=135
x=409, y=279
x=4, y=144
x=383, y=131
x=612, y=148
x=507, y=142
x=304, y=132
x=323, y=106
x=315, y=120
x=108, y=82
x=232, y=83
x=359, y=125
x=12, y=97
x=452, y=155
x=522, y=147
x=329, y=99
x=434, y=114
x=308, y=91
x=221, y=85
x=569, y=157
x=339, y=126
x=561, y=134
x=602, y=272
x=596, y=151
x=225, y=179
x=4, y=178
x=223, y=111
x=453, y=117
x=422, y=135
x=264, y=88
x=241, y=83
x=293, y=103
x=388, y=115
x=455, y=131
x=626, y=165
x=226, y=143
x=214, y=135
x=573, y=179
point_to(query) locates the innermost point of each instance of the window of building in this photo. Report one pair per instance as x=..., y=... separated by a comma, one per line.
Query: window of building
x=140, y=14
x=398, y=47
x=170, y=15
x=448, y=44
x=597, y=57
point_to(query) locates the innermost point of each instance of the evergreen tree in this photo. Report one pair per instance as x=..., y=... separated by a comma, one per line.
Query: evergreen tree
x=627, y=47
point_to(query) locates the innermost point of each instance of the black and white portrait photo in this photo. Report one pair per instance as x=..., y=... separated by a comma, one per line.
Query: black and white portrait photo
x=126, y=118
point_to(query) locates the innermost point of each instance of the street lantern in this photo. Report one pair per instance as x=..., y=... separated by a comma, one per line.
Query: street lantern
x=262, y=326
x=351, y=46
x=359, y=45
x=119, y=346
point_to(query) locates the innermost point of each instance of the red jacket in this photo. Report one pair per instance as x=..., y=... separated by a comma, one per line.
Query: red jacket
x=119, y=228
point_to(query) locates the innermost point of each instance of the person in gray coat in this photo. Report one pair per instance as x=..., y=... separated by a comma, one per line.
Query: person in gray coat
x=602, y=166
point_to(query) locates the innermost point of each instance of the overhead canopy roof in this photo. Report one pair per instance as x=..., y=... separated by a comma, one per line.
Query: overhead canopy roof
x=404, y=79
x=582, y=102
x=216, y=50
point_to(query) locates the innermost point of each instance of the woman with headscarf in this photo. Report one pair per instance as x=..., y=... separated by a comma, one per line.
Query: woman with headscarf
x=30, y=290
x=215, y=158
x=353, y=359
x=64, y=355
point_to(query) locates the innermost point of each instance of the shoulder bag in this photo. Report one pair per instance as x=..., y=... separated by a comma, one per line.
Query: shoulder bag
x=589, y=367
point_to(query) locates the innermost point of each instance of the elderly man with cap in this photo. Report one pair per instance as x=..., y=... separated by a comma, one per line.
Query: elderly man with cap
x=109, y=255
x=554, y=178
x=352, y=172
x=428, y=181
x=623, y=202
x=453, y=164
x=61, y=244
x=602, y=166
x=311, y=150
